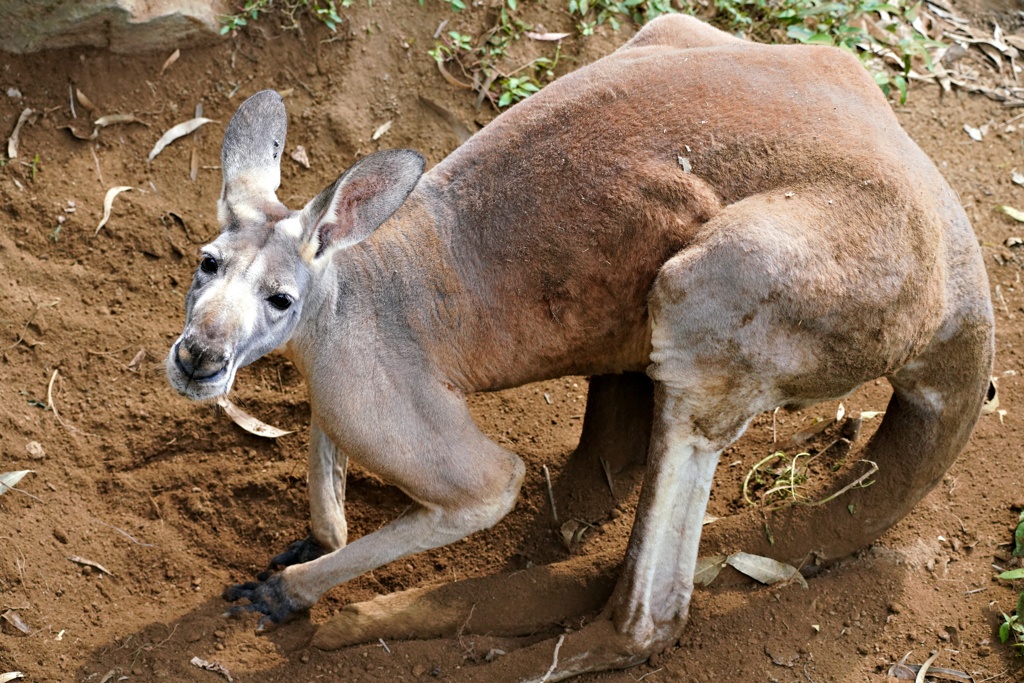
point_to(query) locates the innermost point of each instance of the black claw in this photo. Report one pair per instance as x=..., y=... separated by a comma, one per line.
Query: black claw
x=301, y=551
x=266, y=597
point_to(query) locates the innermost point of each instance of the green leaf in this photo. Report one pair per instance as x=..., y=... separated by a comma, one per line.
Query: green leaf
x=512, y=5
x=505, y=99
x=1018, y=538
x=1013, y=574
x=800, y=33
x=901, y=83
x=819, y=39
x=1004, y=631
x=823, y=9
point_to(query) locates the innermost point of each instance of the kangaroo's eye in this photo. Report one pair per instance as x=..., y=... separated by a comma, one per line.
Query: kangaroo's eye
x=209, y=264
x=280, y=301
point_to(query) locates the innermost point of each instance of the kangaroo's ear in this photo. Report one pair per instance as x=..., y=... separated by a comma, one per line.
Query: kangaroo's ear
x=356, y=204
x=251, y=160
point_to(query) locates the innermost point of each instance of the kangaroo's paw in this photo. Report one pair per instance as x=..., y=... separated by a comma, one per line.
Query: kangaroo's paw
x=266, y=597
x=299, y=552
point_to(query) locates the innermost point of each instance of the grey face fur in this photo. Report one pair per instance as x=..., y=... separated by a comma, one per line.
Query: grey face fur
x=246, y=299
x=247, y=295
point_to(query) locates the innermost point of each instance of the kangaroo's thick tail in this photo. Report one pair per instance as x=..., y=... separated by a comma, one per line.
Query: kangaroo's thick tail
x=936, y=402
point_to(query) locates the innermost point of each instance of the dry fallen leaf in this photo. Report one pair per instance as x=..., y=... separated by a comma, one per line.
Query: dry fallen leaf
x=383, y=128
x=764, y=569
x=550, y=37
x=170, y=60
x=248, y=422
x=300, y=157
x=212, y=666
x=10, y=676
x=977, y=134
x=1013, y=213
x=84, y=101
x=909, y=672
x=113, y=119
x=8, y=480
x=708, y=569
x=870, y=414
x=137, y=360
x=108, y=204
x=807, y=434
x=103, y=122
x=12, y=142
x=175, y=132
x=15, y=620
x=1017, y=177
x=89, y=563
x=461, y=130
x=572, y=533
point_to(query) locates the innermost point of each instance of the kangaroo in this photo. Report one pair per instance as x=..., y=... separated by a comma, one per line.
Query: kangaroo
x=746, y=224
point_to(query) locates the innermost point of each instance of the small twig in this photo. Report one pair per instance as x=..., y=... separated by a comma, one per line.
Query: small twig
x=608, y=475
x=775, y=436
x=554, y=659
x=21, y=335
x=1002, y=300
x=164, y=641
x=24, y=493
x=649, y=673
x=89, y=563
x=384, y=645
x=106, y=353
x=551, y=492
x=466, y=622
x=126, y=535
x=976, y=590
x=807, y=675
x=856, y=483
x=53, y=406
x=96, y=160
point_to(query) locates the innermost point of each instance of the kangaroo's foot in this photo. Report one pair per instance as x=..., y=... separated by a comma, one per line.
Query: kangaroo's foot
x=266, y=597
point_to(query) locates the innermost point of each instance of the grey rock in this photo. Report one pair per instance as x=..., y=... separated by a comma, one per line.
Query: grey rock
x=118, y=25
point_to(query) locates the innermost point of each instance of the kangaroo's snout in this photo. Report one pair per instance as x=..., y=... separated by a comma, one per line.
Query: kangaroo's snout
x=197, y=362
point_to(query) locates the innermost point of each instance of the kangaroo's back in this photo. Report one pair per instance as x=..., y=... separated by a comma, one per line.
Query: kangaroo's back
x=591, y=185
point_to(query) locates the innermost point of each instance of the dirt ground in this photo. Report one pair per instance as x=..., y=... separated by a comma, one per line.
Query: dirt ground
x=176, y=501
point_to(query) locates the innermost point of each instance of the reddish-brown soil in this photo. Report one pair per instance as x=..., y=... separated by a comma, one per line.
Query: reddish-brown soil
x=176, y=501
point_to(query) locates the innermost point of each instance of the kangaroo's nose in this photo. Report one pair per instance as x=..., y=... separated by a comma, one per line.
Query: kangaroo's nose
x=196, y=363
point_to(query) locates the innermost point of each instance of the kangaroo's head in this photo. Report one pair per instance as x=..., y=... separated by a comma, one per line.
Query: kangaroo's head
x=247, y=294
